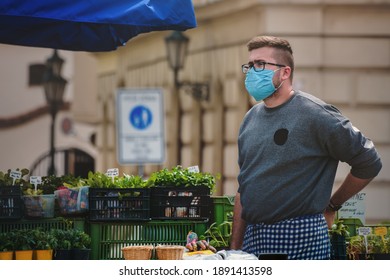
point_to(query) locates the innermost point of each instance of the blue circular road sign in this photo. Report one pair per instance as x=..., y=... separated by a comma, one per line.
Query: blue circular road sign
x=141, y=117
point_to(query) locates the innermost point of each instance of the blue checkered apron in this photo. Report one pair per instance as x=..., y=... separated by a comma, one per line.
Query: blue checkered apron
x=302, y=238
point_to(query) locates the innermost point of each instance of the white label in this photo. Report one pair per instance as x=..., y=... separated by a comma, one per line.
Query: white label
x=16, y=174
x=35, y=180
x=112, y=172
x=354, y=208
x=364, y=230
x=194, y=169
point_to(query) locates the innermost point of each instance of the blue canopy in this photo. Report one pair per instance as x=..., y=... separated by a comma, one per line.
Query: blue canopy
x=89, y=25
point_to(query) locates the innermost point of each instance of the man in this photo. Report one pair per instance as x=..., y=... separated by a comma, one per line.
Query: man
x=289, y=149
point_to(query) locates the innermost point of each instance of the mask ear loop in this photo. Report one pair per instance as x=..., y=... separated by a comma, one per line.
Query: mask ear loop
x=280, y=83
x=276, y=89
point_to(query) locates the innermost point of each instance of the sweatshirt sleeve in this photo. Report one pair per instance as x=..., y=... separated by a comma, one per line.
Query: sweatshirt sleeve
x=347, y=144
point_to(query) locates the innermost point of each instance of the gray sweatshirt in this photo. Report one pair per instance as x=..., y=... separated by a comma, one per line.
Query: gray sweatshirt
x=288, y=157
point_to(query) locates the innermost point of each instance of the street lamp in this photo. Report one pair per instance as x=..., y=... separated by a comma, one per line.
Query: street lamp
x=177, y=47
x=54, y=86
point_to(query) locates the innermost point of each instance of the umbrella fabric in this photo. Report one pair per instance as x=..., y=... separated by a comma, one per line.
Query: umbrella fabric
x=89, y=25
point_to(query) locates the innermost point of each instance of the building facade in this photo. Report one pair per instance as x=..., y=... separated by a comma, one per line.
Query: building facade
x=342, y=55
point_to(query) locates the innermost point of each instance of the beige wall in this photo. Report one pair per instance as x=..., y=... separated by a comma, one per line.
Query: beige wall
x=22, y=144
x=342, y=53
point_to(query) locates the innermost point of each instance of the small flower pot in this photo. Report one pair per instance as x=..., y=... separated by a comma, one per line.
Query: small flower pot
x=24, y=255
x=43, y=254
x=7, y=255
x=62, y=254
x=81, y=254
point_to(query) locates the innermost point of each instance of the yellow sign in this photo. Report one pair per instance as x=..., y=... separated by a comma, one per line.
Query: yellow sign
x=380, y=231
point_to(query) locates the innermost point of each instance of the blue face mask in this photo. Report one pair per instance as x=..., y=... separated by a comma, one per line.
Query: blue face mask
x=259, y=84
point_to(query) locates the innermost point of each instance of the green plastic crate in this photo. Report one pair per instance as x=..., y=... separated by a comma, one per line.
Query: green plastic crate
x=223, y=208
x=108, y=239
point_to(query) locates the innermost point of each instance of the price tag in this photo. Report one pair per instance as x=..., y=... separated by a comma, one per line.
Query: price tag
x=194, y=169
x=15, y=174
x=380, y=231
x=35, y=180
x=112, y=172
x=364, y=231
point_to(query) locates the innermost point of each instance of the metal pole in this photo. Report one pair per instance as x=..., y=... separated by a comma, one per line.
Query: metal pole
x=52, y=170
x=141, y=170
x=177, y=98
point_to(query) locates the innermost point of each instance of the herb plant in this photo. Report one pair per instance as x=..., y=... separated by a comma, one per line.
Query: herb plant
x=182, y=177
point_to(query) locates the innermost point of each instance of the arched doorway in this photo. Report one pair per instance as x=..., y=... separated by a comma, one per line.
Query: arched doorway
x=67, y=161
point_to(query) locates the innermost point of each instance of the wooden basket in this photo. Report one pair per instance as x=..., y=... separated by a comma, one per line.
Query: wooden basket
x=137, y=252
x=169, y=252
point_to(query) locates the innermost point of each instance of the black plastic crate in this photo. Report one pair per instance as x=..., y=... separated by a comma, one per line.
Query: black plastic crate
x=11, y=203
x=175, y=203
x=119, y=204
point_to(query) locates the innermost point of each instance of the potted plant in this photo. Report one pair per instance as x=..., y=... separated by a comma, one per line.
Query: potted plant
x=338, y=234
x=81, y=245
x=37, y=203
x=44, y=242
x=6, y=246
x=72, y=195
x=7, y=179
x=23, y=244
x=62, y=248
x=182, y=177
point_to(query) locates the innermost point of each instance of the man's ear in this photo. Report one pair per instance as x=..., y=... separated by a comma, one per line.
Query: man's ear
x=286, y=73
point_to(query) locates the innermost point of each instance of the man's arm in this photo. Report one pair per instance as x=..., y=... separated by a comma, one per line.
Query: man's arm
x=351, y=186
x=239, y=225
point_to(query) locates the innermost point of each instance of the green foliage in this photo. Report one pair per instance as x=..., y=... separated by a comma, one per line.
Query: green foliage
x=6, y=243
x=214, y=234
x=99, y=180
x=22, y=239
x=43, y=240
x=131, y=181
x=182, y=177
x=39, y=239
x=51, y=183
x=71, y=181
x=372, y=244
x=7, y=180
x=338, y=228
x=63, y=237
x=80, y=240
x=71, y=239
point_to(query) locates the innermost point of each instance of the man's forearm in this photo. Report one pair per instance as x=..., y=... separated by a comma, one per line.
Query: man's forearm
x=239, y=226
x=351, y=186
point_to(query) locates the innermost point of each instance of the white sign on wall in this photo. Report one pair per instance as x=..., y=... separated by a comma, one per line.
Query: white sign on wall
x=354, y=208
x=140, y=126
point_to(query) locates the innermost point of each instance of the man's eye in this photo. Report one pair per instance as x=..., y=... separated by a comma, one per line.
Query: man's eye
x=259, y=64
